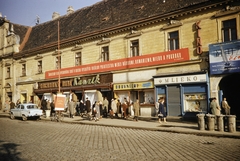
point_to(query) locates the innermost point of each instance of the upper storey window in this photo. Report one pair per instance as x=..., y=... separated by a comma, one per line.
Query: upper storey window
x=134, y=48
x=229, y=30
x=173, y=40
x=78, y=59
x=8, y=72
x=23, y=69
x=58, y=62
x=105, y=54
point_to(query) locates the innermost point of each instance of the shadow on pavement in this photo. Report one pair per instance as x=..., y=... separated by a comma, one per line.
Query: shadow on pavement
x=8, y=152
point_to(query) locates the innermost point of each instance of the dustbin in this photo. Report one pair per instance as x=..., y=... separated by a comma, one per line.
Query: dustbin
x=47, y=113
x=201, y=122
x=220, y=125
x=231, y=123
x=210, y=122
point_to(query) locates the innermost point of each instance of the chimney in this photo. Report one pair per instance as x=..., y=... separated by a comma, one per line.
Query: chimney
x=70, y=10
x=55, y=15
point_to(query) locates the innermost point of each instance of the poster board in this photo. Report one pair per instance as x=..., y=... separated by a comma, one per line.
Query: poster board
x=59, y=102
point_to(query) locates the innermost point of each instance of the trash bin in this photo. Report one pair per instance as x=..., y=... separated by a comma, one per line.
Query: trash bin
x=231, y=123
x=201, y=122
x=220, y=125
x=48, y=113
x=210, y=122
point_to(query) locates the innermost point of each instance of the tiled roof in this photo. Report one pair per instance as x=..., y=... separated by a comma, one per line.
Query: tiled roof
x=105, y=14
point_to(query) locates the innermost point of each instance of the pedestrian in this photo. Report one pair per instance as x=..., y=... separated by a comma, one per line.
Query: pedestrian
x=162, y=112
x=136, y=108
x=157, y=107
x=71, y=106
x=78, y=108
x=18, y=102
x=48, y=105
x=12, y=105
x=52, y=105
x=114, y=107
x=44, y=105
x=124, y=109
x=105, y=107
x=215, y=108
x=119, y=111
x=82, y=109
x=88, y=108
x=225, y=106
x=97, y=107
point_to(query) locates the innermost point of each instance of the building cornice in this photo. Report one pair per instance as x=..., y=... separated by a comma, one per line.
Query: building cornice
x=98, y=34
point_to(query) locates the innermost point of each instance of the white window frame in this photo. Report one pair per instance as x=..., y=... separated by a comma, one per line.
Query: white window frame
x=166, y=34
x=8, y=72
x=24, y=69
x=219, y=26
x=102, y=58
x=39, y=66
x=77, y=58
x=130, y=46
x=56, y=62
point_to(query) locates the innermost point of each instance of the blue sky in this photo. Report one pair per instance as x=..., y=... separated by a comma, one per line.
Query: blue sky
x=25, y=12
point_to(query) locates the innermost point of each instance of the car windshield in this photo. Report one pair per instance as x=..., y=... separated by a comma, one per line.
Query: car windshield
x=31, y=106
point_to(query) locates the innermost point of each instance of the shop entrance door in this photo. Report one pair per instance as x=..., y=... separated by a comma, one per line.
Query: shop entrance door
x=230, y=89
x=173, y=106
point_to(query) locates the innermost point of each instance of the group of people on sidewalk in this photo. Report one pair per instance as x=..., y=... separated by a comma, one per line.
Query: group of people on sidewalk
x=216, y=109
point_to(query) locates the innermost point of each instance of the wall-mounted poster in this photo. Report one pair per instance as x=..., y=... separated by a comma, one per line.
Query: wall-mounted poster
x=224, y=57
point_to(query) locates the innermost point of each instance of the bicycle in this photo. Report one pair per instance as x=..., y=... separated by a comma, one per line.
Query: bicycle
x=57, y=116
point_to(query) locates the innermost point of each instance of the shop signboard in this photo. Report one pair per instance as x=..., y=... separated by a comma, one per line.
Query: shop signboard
x=224, y=57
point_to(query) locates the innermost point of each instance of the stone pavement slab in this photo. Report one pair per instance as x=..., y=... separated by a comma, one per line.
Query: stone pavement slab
x=147, y=124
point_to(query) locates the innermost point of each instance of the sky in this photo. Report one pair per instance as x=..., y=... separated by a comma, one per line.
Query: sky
x=25, y=12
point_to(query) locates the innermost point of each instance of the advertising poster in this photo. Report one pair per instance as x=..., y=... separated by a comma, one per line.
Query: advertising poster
x=60, y=102
x=224, y=57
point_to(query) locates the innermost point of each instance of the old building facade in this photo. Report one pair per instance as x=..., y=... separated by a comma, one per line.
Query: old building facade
x=125, y=49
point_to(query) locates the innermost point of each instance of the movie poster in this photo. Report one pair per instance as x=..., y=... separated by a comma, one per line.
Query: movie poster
x=224, y=57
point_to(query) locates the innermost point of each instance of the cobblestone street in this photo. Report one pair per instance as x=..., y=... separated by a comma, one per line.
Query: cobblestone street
x=40, y=140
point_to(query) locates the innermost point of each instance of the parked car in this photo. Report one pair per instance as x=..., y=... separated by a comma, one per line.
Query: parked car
x=25, y=111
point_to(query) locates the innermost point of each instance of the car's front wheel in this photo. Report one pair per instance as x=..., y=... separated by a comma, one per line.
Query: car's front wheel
x=24, y=118
x=12, y=116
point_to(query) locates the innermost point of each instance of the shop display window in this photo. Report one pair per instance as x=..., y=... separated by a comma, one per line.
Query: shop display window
x=196, y=102
x=146, y=97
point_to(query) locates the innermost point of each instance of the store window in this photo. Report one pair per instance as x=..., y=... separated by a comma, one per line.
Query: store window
x=40, y=66
x=144, y=96
x=23, y=69
x=58, y=62
x=8, y=72
x=78, y=59
x=196, y=102
x=173, y=40
x=229, y=30
x=134, y=48
x=105, y=54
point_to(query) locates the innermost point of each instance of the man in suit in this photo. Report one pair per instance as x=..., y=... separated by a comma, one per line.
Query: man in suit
x=225, y=106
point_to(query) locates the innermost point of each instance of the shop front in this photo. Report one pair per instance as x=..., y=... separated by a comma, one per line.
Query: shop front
x=143, y=91
x=77, y=88
x=186, y=95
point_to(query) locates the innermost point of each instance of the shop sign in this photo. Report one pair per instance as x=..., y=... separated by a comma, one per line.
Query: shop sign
x=145, y=60
x=224, y=58
x=198, y=39
x=128, y=86
x=77, y=81
x=180, y=79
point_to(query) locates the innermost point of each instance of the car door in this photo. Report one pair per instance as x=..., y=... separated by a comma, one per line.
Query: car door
x=22, y=110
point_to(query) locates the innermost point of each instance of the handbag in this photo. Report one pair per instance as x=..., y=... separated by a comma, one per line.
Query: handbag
x=160, y=115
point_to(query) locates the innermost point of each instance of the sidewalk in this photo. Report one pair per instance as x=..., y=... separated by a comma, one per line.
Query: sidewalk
x=174, y=125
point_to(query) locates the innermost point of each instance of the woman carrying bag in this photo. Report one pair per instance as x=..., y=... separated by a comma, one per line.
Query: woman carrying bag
x=161, y=112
